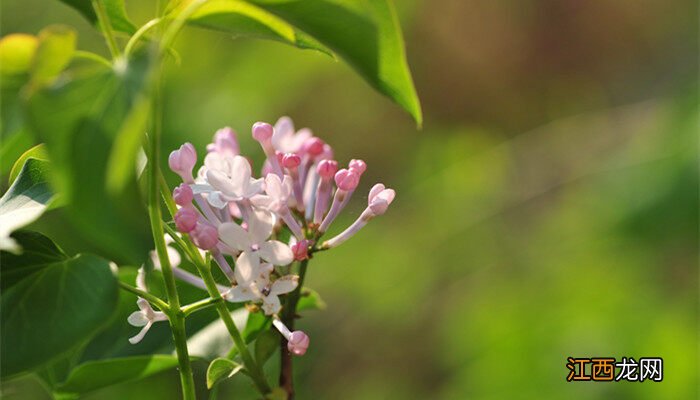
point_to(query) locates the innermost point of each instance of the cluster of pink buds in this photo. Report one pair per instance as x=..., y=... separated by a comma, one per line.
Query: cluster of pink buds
x=226, y=211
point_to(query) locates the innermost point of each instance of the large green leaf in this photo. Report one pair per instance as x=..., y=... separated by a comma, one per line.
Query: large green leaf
x=241, y=18
x=95, y=375
x=24, y=201
x=266, y=345
x=38, y=252
x=80, y=120
x=114, y=9
x=54, y=52
x=54, y=310
x=365, y=33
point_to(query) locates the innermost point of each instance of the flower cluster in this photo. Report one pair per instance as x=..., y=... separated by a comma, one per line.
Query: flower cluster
x=231, y=214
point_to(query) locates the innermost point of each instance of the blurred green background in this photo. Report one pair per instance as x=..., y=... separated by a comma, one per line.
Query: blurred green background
x=549, y=207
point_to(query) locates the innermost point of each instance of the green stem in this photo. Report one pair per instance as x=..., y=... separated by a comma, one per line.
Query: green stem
x=200, y=305
x=86, y=55
x=288, y=315
x=176, y=317
x=139, y=34
x=106, y=27
x=163, y=306
x=254, y=370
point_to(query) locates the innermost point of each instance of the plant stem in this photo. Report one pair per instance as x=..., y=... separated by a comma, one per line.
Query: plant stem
x=200, y=305
x=254, y=370
x=176, y=317
x=288, y=316
x=163, y=306
x=106, y=26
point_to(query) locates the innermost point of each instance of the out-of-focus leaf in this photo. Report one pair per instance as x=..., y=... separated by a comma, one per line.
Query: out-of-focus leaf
x=366, y=34
x=24, y=201
x=54, y=310
x=265, y=345
x=37, y=152
x=221, y=368
x=115, y=11
x=95, y=375
x=310, y=300
x=16, y=54
x=277, y=394
x=79, y=121
x=38, y=251
x=241, y=18
x=122, y=159
x=54, y=52
x=14, y=142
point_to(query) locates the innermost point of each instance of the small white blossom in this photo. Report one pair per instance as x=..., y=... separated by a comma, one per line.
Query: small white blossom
x=254, y=241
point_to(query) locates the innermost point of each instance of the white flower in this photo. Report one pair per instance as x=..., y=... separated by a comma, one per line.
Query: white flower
x=146, y=315
x=225, y=178
x=254, y=284
x=254, y=240
x=285, y=139
x=277, y=194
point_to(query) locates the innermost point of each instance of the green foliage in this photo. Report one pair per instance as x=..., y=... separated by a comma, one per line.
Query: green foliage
x=220, y=369
x=114, y=9
x=24, y=201
x=95, y=375
x=81, y=136
x=266, y=345
x=310, y=300
x=53, y=53
x=365, y=34
x=38, y=252
x=37, y=152
x=54, y=309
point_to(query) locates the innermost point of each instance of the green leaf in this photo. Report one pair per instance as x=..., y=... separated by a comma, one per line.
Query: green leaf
x=364, y=33
x=24, y=201
x=241, y=18
x=54, y=52
x=95, y=375
x=266, y=345
x=115, y=11
x=310, y=300
x=122, y=159
x=37, y=152
x=38, y=251
x=54, y=310
x=80, y=121
x=221, y=368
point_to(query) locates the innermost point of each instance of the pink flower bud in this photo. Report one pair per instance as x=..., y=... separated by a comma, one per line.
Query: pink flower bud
x=183, y=195
x=346, y=179
x=379, y=199
x=262, y=131
x=358, y=166
x=298, y=343
x=182, y=160
x=225, y=142
x=327, y=168
x=313, y=146
x=301, y=250
x=205, y=236
x=290, y=160
x=186, y=219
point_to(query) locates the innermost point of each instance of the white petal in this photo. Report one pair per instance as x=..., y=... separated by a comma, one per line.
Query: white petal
x=140, y=335
x=234, y=236
x=240, y=174
x=387, y=195
x=199, y=188
x=276, y=252
x=216, y=200
x=271, y=305
x=273, y=186
x=284, y=284
x=260, y=226
x=173, y=256
x=138, y=318
x=221, y=182
x=299, y=139
x=376, y=189
x=261, y=201
x=247, y=267
x=239, y=294
x=255, y=186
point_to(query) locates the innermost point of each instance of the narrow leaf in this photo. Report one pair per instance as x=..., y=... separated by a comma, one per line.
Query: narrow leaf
x=115, y=11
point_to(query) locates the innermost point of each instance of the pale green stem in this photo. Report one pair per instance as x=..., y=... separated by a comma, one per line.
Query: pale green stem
x=106, y=26
x=139, y=34
x=92, y=57
x=163, y=306
x=200, y=305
